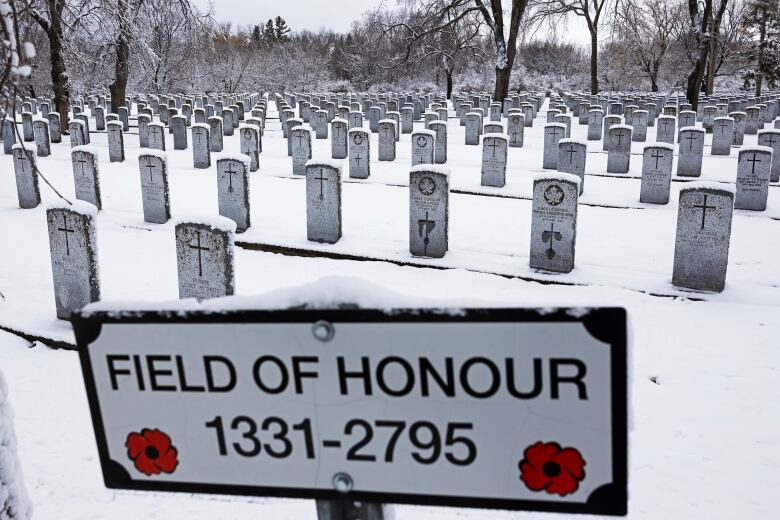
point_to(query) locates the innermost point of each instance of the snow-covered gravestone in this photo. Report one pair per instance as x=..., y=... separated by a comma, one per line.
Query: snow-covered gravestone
x=493, y=128
x=301, y=147
x=771, y=139
x=355, y=120
x=156, y=136
x=338, y=143
x=595, y=124
x=709, y=118
x=553, y=133
x=528, y=112
x=9, y=136
x=753, y=172
x=179, y=129
x=423, y=146
x=200, y=115
x=100, y=118
x=201, y=145
x=609, y=122
x=572, y=155
x=359, y=153
x=387, y=140
x=515, y=129
x=656, y=173
x=27, y=189
x=85, y=120
x=250, y=145
x=739, y=128
x=216, y=133
x=639, y=131
x=619, y=158
x=116, y=143
x=439, y=128
x=687, y=118
x=374, y=115
x=429, y=117
x=473, y=128
x=27, y=127
x=86, y=175
x=14, y=502
x=321, y=124
x=752, y=114
x=124, y=118
x=72, y=242
x=407, y=120
x=323, y=201
x=565, y=120
x=691, y=152
x=155, y=195
x=143, y=130
x=701, y=250
x=290, y=124
x=41, y=133
x=429, y=211
x=722, y=135
x=77, y=134
x=233, y=190
x=227, y=122
x=666, y=129
x=554, y=222
x=205, y=257
x=494, y=155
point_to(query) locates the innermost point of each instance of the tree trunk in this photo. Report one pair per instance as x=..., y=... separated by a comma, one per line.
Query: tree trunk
x=502, y=84
x=760, y=54
x=118, y=87
x=59, y=75
x=448, y=73
x=594, y=63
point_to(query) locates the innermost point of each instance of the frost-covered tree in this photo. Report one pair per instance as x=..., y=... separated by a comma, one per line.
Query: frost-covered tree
x=14, y=502
x=762, y=22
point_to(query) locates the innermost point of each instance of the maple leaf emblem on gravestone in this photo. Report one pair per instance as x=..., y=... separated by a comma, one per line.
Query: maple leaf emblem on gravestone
x=553, y=195
x=427, y=185
x=357, y=138
x=421, y=142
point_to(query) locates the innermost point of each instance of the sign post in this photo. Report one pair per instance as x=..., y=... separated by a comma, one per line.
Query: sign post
x=517, y=409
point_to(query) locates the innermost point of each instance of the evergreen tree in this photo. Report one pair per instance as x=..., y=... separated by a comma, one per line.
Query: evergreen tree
x=281, y=30
x=269, y=36
x=257, y=35
x=762, y=21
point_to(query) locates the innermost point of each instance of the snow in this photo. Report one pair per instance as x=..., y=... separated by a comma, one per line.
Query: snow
x=330, y=163
x=569, y=140
x=624, y=127
x=79, y=206
x=212, y=221
x=154, y=153
x=558, y=176
x=14, y=501
x=708, y=185
x=723, y=118
x=157, y=124
x=503, y=137
x=335, y=120
x=693, y=129
x=425, y=132
x=85, y=148
x=200, y=125
x=561, y=125
x=240, y=157
x=434, y=168
x=751, y=149
x=387, y=121
x=664, y=146
x=115, y=123
x=21, y=146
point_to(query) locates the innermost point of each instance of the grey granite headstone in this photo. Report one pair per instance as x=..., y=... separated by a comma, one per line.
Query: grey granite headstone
x=666, y=129
x=205, y=258
x=201, y=145
x=100, y=118
x=423, y=146
x=752, y=115
x=554, y=222
x=216, y=133
x=156, y=136
x=77, y=134
x=494, y=155
x=639, y=132
x=250, y=145
x=227, y=122
x=323, y=201
x=321, y=124
x=609, y=121
x=9, y=135
x=572, y=157
x=55, y=129
x=27, y=189
x=124, y=118
x=429, y=117
x=691, y=152
x=233, y=190
x=386, y=140
x=86, y=175
x=338, y=138
x=595, y=124
x=179, y=127
x=116, y=142
x=515, y=129
x=291, y=123
x=656, y=173
x=143, y=130
x=771, y=139
x=301, y=147
x=359, y=153
x=553, y=133
x=701, y=250
x=565, y=119
x=355, y=120
x=41, y=132
x=753, y=172
x=429, y=211
x=155, y=194
x=440, y=152
x=374, y=115
x=473, y=128
x=619, y=158
x=739, y=128
x=407, y=120
x=72, y=242
x=722, y=135
x=27, y=127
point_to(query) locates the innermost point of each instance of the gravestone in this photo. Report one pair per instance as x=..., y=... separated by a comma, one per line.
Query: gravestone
x=301, y=147
x=156, y=136
x=216, y=135
x=55, y=130
x=72, y=242
x=374, y=115
x=473, y=128
x=753, y=172
x=100, y=118
x=609, y=121
x=355, y=120
x=116, y=141
x=440, y=148
x=771, y=139
x=122, y=112
x=739, y=128
x=143, y=130
x=656, y=173
x=323, y=201
x=77, y=134
x=25, y=171
x=554, y=222
x=205, y=258
x=9, y=136
x=27, y=127
x=291, y=123
x=250, y=145
x=41, y=133
x=691, y=152
x=493, y=128
x=752, y=115
x=155, y=193
x=639, y=131
x=86, y=175
x=515, y=129
x=619, y=158
x=321, y=124
x=179, y=127
x=553, y=133
x=666, y=129
x=428, y=117
x=359, y=154
x=386, y=140
x=722, y=135
x=565, y=119
x=572, y=155
x=233, y=190
x=423, y=146
x=595, y=124
x=338, y=143
x=227, y=122
x=429, y=211
x=494, y=156
x=407, y=120
x=201, y=146
x=701, y=249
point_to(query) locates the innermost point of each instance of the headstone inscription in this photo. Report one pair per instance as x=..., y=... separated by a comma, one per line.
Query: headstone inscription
x=619, y=158
x=201, y=145
x=515, y=129
x=338, y=143
x=494, y=157
x=753, y=172
x=722, y=135
x=156, y=136
x=554, y=222
x=216, y=133
x=205, y=257
x=656, y=172
x=42, y=138
x=323, y=201
x=359, y=153
x=691, y=152
x=386, y=140
x=250, y=145
x=429, y=211
x=233, y=190
x=572, y=155
x=423, y=146
x=116, y=141
x=302, y=137
x=155, y=195
x=666, y=129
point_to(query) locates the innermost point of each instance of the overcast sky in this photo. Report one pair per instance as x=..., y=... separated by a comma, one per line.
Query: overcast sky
x=332, y=14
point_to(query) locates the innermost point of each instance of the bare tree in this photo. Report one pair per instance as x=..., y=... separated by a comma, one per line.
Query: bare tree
x=699, y=37
x=647, y=28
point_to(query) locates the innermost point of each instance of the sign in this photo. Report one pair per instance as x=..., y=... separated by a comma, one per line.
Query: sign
x=492, y=408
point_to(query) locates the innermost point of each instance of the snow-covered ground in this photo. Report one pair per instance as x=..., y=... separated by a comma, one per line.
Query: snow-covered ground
x=704, y=391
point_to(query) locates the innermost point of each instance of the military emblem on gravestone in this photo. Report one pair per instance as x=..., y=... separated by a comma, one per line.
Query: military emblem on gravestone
x=421, y=142
x=427, y=186
x=553, y=195
x=425, y=227
x=357, y=138
x=516, y=120
x=549, y=236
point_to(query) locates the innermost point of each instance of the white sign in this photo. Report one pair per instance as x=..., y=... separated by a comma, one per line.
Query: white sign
x=501, y=408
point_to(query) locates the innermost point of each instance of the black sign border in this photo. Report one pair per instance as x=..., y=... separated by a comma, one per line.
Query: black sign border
x=607, y=324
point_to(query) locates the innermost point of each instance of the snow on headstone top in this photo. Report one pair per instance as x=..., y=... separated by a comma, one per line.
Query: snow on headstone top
x=85, y=148
x=200, y=125
x=503, y=137
x=568, y=140
x=214, y=221
x=709, y=185
x=752, y=149
x=155, y=153
x=335, y=120
x=240, y=157
x=665, y=146
x=557, y=176
x=330, y=163
x=79, y=206
x=435, y=168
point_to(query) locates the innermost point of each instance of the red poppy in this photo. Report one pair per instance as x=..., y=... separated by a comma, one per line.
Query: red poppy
x=551, y=468
x=152, y=452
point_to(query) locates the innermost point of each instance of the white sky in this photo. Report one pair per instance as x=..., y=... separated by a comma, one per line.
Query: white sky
x=332, y=14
